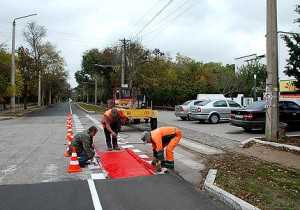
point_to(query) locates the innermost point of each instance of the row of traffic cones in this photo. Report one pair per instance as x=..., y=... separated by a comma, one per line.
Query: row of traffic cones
x=74, y=164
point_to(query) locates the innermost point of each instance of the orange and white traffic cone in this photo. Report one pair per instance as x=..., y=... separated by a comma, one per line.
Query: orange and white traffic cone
x=74, y=166
x=69, y=137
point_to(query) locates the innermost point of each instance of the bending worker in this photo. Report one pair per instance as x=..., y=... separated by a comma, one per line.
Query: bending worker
x=112, y=120
x=83, y=143
x=160, y=138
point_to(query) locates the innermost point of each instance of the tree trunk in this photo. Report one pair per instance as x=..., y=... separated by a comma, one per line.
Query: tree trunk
x=50, y=96
x=25, y=95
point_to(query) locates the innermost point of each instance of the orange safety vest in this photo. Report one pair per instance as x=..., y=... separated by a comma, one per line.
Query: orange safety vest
x=109, y=119
x=162, y=136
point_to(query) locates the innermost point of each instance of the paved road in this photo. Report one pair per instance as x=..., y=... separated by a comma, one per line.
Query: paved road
x=32, y=157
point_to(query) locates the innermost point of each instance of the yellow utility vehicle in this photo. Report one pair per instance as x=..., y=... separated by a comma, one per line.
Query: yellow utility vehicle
x=135, y=106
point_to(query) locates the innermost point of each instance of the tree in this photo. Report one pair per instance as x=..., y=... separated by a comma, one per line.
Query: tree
x=246, y=78
x=293, y=62
x=4, y=75
x=34, y=35
x=26, y=65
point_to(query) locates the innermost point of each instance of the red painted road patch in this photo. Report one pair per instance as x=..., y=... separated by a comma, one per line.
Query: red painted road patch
x=124, y=164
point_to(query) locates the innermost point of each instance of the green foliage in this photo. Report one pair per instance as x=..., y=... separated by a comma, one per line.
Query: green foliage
x=246, y=78
x=293, y=63
x=4, y=75
x=164, y=80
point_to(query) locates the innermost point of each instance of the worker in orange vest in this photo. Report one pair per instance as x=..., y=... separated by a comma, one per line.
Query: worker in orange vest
x=112, y=121
x=160, y=138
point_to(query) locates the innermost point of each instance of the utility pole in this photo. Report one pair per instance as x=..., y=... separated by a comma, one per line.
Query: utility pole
x=124, y=61
x=254, y=89
x=272, y=87
x=95, y=90
x=13, y=63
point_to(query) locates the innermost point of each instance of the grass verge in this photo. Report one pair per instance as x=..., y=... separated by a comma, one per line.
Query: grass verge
x=91, y=107
x=265, y=185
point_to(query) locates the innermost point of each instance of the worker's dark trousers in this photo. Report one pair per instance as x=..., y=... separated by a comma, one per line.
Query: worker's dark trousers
x=112, y=141
x=82, y=159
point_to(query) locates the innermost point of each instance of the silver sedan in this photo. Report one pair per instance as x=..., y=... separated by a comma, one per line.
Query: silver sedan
x=214, y=111
x=184, y=110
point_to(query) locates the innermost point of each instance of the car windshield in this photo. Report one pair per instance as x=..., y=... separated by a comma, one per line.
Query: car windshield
x=186, y=103
x=257, y=105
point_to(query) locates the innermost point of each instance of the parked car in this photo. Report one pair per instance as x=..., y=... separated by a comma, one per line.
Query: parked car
x=254, y=115
x=183, y=110
x=214, y=111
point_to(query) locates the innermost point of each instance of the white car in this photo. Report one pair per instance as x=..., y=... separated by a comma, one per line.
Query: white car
x=183, y=111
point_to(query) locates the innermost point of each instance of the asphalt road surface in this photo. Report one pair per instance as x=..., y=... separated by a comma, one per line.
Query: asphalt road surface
x=33, y=171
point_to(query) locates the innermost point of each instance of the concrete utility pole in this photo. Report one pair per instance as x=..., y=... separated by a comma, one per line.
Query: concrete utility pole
x=40, y=89
x=13, y=63
x=96, y=90
x=124, y=61
x=272, y=87
x=254, y=88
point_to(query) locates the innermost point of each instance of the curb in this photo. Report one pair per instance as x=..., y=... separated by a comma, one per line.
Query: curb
x=6, y=118
x=229, y=199
x=248, y=142
x=91, y=112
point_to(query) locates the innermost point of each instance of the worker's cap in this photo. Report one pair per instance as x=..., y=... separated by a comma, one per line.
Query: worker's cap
x=146, y=136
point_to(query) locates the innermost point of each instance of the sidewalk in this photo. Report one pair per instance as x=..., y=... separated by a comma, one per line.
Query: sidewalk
x=8, y=114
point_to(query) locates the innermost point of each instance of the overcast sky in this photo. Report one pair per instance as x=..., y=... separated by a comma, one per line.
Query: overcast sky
x=206, y=30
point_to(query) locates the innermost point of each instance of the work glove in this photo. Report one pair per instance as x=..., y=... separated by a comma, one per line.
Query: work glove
x=154, y=162
x=158, y=166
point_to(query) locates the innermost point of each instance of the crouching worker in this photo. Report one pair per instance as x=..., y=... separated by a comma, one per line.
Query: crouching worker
x=83, y=143
x=112, y=121
x=160, y=138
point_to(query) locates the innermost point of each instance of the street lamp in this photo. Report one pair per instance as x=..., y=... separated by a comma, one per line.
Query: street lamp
x=13, y=63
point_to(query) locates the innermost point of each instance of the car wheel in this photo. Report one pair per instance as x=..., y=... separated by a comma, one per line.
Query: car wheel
x=153, y=123
x=189, y=117
x=214, y=119
x=183, y=118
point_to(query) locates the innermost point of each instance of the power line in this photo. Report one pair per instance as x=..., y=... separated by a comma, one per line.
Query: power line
x=146, y=13
x=155, y=16
x=172, y=20
x=167, y=17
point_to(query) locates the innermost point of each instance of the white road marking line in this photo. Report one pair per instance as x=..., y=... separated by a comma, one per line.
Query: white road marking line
x=96, y=122
x=98, y=176
x=149, y=161
x=70, y=108
x=92, y=167
x=144, y=156
x=137, y=150
x=127, y=146
x=94, y=194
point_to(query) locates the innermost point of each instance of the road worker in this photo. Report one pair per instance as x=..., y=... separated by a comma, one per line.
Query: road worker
x=83, y=143
x=160, y=138
x=112, y=121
